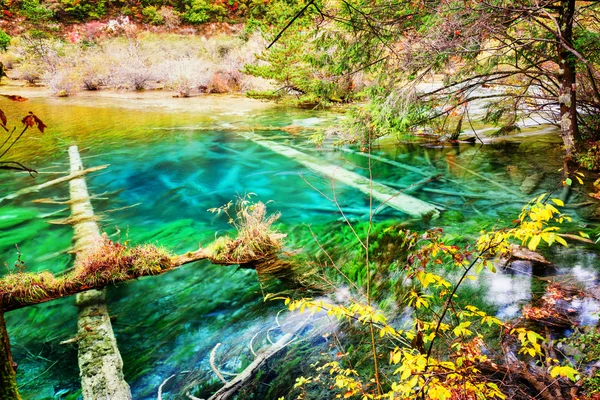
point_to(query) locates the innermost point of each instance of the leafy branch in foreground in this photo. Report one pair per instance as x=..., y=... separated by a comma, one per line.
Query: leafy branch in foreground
x=442, y=352
x=29, y=121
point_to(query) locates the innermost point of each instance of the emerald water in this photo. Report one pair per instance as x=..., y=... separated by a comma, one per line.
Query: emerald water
x=173, y=159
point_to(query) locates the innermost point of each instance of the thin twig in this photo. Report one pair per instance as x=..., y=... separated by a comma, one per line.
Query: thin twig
x=212, y=363
x=298, y=15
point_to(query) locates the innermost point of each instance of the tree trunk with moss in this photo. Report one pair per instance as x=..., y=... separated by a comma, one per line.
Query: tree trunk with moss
x=8, y=381
x=100, y=362
x=567, y=97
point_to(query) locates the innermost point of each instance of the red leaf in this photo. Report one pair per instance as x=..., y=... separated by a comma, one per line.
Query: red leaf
x=14, y=97
x=30, y=120
x=41, y=126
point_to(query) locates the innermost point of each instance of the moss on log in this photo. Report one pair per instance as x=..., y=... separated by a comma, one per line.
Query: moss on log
x=8, y=382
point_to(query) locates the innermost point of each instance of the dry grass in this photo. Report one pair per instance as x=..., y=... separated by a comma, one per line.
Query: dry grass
x=189, y=65
x=256, y=238
x=28, y=287
x=115, y=262
x=111, y=263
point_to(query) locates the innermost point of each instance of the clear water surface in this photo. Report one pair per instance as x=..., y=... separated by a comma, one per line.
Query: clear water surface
x=171, y=160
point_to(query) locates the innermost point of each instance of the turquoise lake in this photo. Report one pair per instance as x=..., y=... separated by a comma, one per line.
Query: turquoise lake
x=173, y=159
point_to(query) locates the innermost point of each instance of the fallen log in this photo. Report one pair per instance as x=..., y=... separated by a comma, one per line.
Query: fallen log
x=235, y=384
x=388, y=196
x=50, y=287
x=100, y=362
x=232, y=387
x=387, y=161
x=100, y=263
x=457, y=194
x=522, y=253
x=485, y=178
x=36, y=188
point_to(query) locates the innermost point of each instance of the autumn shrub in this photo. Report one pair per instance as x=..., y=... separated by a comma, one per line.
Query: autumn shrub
x=35, y=12
x=81, y=10
x=224, y=82
x=590, y=158
x=95, y=71
x=63, y=82
x=200, y=11
x=133, y=66
x=191, y=66
x=188, y=76
x=170, y=17
x=438, y=349
x=29, y=72
x=152, y=16
x=8, y=59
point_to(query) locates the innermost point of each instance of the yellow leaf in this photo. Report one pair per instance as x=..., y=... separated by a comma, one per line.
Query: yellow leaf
x=532, y=336
x=558, y=202
x=561, y=241
x=564, y=371
x=533, y=243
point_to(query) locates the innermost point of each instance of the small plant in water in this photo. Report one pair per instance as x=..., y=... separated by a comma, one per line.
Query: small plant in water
x=256, y=237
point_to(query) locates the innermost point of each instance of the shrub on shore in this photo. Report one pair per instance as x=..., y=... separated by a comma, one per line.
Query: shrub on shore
x=188, y=65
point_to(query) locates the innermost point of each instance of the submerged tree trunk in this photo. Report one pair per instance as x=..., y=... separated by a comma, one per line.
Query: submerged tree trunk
x=392, y=198
x=567, y=97
x=8, y=381
x=100, y=362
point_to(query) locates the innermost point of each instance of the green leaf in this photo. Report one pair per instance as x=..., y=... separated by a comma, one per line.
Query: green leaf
x=568, y=181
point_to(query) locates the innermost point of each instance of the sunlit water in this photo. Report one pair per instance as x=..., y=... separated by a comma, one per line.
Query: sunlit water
x=171, y=160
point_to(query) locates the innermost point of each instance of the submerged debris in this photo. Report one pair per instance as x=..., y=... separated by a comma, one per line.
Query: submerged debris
x=554, y=308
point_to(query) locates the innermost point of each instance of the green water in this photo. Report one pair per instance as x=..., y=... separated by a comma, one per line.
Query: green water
x=172, y=159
